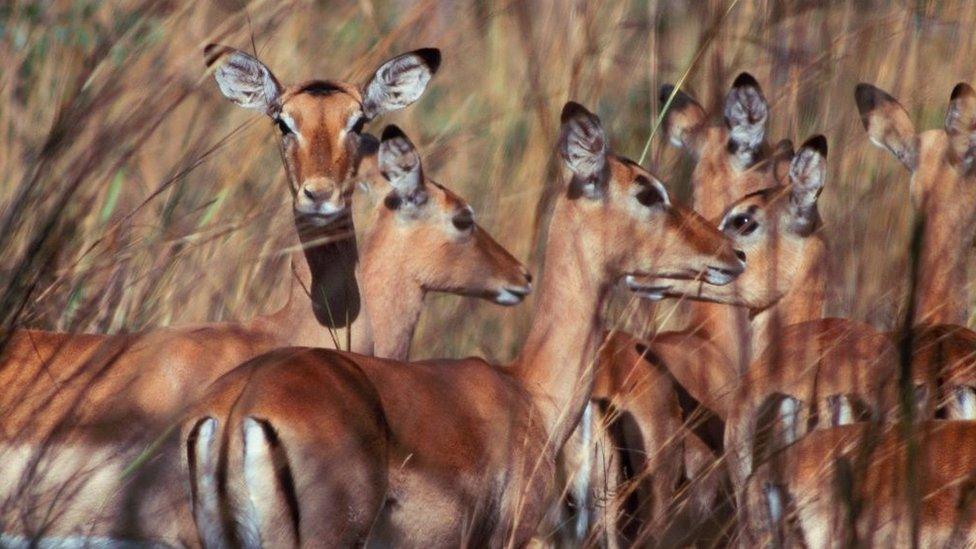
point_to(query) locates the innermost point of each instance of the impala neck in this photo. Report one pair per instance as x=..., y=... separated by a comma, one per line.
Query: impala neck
x=395, y=301
x=942, y=294
x=804, y=301
x=325, y=307
x=556, y=362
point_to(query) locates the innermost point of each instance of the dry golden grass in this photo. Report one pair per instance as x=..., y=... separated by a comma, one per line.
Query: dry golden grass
x=135, y=196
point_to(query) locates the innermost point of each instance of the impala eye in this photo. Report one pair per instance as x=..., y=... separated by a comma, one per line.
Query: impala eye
x=742, y=224
x=463, y=221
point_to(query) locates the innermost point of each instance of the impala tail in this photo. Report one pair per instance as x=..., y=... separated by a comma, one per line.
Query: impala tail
x=269, y=486
x=202, y=449
x=257, y=507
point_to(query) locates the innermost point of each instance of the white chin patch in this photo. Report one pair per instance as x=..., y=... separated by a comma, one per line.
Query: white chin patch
x=506, y=297
x=324, y=213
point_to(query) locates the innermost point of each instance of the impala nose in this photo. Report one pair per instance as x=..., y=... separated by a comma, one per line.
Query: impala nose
x=320, y=199
x=741, y=255
x=320, y=196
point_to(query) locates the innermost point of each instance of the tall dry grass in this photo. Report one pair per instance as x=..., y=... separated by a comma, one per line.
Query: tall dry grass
x=135, y=196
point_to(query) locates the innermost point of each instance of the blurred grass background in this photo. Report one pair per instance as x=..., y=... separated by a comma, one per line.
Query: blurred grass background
x=133, y=195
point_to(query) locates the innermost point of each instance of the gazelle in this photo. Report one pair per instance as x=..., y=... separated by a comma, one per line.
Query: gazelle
x=784, y=287
x=733, y=159
x=71, y=397
x=310, y=446
x=943, y=193
x=859, y=485
x=639, y=428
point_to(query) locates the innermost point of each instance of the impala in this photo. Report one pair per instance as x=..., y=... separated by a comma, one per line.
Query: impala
x=859, y=485
x=812, y=367
x=625, y=482
x=732, y=160
x=77, y=400
x=305, y=446
x=943, y=192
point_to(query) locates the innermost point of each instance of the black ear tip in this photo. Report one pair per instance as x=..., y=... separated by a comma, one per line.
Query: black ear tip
x=817, y=143
x=392, y=131
x=867, y=96
x=571, y=110
x=641, y=348
x=864, y=89
x=665, y=93
x=431, y=57
x=961, y=90
x=211, y=52
x=745, y=80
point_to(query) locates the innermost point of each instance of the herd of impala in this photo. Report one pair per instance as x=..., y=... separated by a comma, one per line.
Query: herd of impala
x=814, y=431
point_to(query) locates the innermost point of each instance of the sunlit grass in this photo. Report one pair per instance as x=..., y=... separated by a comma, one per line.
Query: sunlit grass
x=135, y=196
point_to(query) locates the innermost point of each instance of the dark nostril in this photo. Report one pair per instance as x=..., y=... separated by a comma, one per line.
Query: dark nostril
x=528, y=276
x=740, y=254
x=309, y=194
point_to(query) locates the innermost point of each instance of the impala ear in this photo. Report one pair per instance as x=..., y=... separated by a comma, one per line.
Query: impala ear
x=960, y=124
x=887, y=123
x=583, y=147
x=684, y=119
x=399, y=163
x=808, y=172
x=745, y=113
x=243, y=79
x=400, y=81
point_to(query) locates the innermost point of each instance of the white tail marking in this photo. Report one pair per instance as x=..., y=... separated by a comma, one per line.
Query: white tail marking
x=789, y=419
x=581, y=484
x=841, y=410
x=206, y=498
x=963, y=404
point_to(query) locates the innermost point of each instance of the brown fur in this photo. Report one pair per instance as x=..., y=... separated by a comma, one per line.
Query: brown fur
x=639, y=427
x=783, y=284
x=819, y=494
x=719, y=178
x=472, y=446
x=943, y=193
x=71, y=394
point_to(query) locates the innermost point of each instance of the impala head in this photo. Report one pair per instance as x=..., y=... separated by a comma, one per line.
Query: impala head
x=429, y=234
x=940, y=160
x=319, y=123
x=630, y=220
x=773, y=228
x=727, y=152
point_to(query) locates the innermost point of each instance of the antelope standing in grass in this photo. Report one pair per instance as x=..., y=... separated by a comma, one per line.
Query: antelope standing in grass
x=78, y=409
x=943, y=193
x=861, y=485
x=732, y=158
x=305, y=446
x=784, y=287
